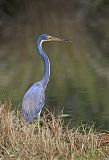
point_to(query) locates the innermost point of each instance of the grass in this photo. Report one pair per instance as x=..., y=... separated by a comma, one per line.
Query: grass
x=20, y=140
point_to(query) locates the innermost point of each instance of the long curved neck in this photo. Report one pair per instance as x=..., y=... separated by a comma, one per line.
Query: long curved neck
x=45, y=58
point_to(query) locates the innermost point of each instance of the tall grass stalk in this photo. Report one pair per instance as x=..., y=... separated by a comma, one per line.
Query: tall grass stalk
x=20, y=140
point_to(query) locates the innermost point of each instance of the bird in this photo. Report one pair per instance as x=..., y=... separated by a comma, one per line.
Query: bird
x=34, y=99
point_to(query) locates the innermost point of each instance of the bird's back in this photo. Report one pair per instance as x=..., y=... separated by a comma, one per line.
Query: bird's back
x=33, y=101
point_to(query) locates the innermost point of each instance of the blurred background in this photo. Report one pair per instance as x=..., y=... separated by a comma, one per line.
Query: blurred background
x=79, y=82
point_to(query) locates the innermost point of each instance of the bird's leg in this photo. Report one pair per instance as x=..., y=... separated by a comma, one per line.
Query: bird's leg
x=39, y=121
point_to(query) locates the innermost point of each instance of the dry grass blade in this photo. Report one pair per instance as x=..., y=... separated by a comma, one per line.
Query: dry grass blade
x=54, y=141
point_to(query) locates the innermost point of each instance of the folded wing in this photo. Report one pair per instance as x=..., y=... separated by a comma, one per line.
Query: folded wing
x=33, y=102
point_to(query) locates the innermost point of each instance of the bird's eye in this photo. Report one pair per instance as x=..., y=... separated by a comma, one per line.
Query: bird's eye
x=48, y=38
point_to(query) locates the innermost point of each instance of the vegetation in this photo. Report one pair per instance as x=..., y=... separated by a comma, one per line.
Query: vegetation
x=80, y=72
x=51, y=141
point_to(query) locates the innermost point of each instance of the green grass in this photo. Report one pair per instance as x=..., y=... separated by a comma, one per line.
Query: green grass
x=20, y=140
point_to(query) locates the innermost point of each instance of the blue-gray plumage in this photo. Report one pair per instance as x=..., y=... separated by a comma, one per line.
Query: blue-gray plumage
x=34, y=99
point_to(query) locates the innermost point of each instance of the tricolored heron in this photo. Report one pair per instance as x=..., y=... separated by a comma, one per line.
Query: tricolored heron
x=34, y=99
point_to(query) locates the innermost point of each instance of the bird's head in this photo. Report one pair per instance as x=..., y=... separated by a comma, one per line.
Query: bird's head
x=45, y=37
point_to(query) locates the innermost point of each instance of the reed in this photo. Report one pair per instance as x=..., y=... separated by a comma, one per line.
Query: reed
x=20, y=140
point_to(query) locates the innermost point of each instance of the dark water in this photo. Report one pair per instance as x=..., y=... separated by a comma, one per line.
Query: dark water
x=79, y=82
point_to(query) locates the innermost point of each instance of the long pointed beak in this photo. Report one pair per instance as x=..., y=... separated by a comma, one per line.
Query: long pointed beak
x=61, y=39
